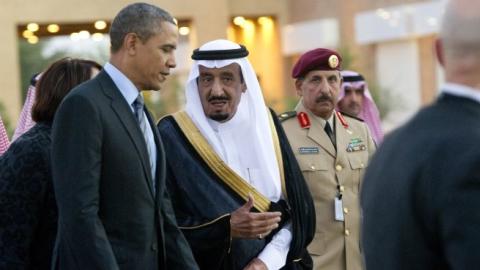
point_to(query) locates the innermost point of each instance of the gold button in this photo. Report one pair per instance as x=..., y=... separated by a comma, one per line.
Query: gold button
x=312, y=167
x=342, y=188
x=338, y=168
x=361, y=165
x=347, y=232
x=345, y=210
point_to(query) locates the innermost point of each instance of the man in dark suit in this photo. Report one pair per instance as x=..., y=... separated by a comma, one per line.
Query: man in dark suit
x=108, y=159
x=421, y=192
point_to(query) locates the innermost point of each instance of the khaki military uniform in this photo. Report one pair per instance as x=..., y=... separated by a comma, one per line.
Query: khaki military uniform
x=336, y=245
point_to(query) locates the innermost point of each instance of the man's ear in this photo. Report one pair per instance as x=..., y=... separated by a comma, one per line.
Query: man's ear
x=130, y=42
x=439, y=51
x=244, y=87
x=298, y=86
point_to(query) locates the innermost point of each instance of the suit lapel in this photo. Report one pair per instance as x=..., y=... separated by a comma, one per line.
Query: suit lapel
x=126, y=117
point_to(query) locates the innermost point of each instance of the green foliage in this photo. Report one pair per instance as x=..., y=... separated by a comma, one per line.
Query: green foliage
x=31, y=62
x=33, y=59
x=290, y=103
x=385, y=100
x=347, y=57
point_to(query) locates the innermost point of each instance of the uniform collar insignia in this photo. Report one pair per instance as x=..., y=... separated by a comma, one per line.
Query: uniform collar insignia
x=303, y=120
x=342, y=120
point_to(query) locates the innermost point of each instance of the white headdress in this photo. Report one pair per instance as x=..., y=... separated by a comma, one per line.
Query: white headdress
x=250, y=122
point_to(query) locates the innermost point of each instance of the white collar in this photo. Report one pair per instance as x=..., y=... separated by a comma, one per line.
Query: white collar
x=461, y=91
x=123, y=83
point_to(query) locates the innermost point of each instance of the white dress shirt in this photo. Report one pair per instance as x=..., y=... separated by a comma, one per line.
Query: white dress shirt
x=462, y=91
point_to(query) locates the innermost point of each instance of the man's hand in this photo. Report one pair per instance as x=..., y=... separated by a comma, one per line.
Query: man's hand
x=246, y=224
x=256, y=264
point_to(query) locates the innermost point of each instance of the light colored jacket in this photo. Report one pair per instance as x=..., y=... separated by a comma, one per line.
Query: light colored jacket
x=336, y=245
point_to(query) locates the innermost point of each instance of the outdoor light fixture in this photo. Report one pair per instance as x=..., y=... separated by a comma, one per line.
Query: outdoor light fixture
x=53, y=28
x=32, y=40
x=100, y=25
x=97, y=36
x=32, y=27
x=239, y=20
x=184, y=30
x=27, y=33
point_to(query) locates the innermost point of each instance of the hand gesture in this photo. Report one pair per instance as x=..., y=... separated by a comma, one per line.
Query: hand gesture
x=246, y=224
x=256, y=264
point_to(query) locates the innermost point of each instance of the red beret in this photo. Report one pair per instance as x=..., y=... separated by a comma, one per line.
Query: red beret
x=318, y=59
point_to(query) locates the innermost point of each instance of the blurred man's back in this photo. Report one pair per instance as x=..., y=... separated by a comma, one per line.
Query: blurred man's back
x=421, y=192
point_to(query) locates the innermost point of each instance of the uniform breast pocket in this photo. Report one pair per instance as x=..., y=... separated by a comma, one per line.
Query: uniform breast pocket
x=358, y=162
x=316, y=173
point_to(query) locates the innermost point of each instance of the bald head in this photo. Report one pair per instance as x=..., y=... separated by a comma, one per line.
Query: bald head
x=459, y=45
x=461, y=25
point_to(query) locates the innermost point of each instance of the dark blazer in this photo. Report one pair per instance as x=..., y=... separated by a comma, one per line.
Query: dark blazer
x=110, y=216
x=421, y=193
x=28, y=213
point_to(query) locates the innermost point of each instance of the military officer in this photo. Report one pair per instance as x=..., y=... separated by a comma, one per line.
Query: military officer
x=332, y=150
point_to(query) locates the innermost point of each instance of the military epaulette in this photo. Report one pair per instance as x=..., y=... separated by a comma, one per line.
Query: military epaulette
x=351, y=116
x=286, y=115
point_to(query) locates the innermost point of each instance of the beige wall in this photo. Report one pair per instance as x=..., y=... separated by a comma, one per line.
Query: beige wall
x=344, y=11
x=210, y=20
x=402, y=81
x=265, y=50
x=9, y=68
x=304, y=10
x=428, y=69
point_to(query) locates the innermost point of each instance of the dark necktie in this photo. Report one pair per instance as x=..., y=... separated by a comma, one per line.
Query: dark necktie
x=330, y=134
x=138, y=106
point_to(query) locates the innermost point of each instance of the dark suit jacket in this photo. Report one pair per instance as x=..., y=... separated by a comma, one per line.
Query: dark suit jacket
x=28, y=214
x=421, y=193
x=110, y=217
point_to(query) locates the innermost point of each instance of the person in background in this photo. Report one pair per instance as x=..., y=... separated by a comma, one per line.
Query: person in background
x=4, y=141
x=25, y=122
x=333, y=151
x=355, y=100
x=421, y=193
x=28, y=212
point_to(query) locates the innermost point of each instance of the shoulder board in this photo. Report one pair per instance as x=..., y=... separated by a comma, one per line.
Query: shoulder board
x=287, y=115
x=351, y=116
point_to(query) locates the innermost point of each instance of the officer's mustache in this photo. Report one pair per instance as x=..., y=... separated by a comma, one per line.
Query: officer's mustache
x=218, y=98
x=323, y=98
